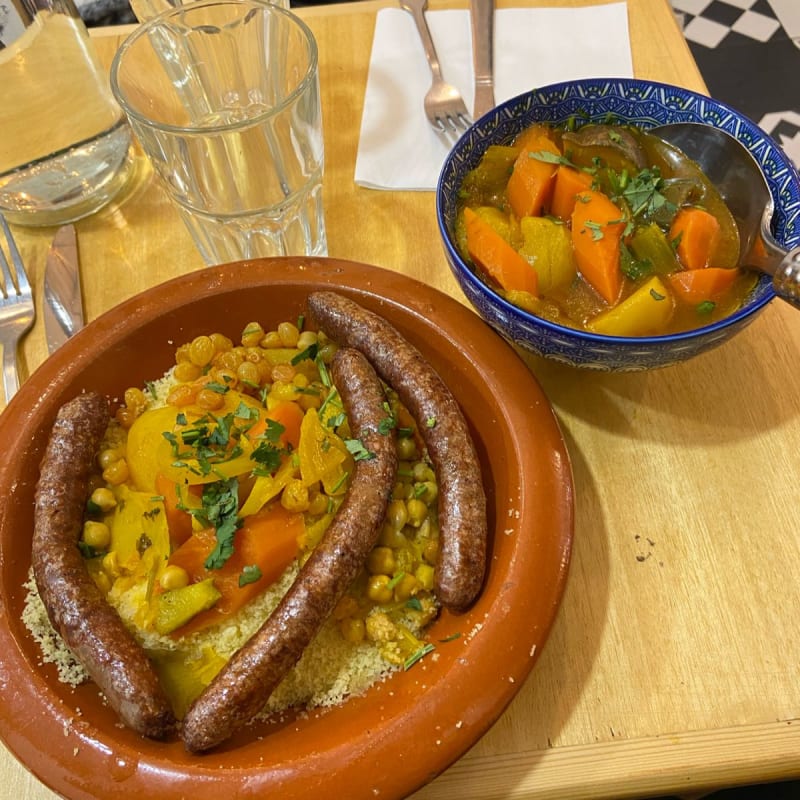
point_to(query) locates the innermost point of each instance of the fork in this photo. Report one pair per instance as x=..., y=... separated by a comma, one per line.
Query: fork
x=444, y=106
x=16, y=311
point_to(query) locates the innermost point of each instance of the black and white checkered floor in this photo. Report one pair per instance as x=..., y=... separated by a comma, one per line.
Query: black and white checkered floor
x=748, y=52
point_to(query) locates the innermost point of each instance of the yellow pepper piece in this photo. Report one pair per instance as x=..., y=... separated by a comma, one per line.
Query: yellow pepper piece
x=265, y=487
x=322, y=454
x=178, y=606
x=646, y=312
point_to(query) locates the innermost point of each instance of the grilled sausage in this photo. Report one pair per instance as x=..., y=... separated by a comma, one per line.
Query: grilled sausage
x=91, y=627
x=462, y=502
x=244, y=685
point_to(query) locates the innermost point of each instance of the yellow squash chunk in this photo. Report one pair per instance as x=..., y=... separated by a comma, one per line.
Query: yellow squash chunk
x=646, y=312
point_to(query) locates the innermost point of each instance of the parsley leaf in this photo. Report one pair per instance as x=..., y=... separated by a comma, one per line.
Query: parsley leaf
x=356, y=449
x=250, y=574
x=219, y=511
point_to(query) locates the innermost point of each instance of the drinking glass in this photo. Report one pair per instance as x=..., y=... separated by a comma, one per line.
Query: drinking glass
x=146, y=9
x=64, y=141
x=223, y=96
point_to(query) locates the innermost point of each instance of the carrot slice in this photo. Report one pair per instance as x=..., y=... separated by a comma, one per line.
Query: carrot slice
x=569, y=183
x=497, y=257
x=530, y=186
x=179, y=521
x=695, y=286
x=697, y=233
x=268, y=541
x=597, y=228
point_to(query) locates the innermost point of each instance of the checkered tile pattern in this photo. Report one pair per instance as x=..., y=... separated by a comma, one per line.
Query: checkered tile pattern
x=710, y=22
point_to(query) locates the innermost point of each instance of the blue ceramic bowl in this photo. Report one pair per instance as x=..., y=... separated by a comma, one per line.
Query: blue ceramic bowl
x=638, y=102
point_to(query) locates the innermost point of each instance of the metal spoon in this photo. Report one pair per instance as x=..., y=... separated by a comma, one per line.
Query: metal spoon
x=737, y=176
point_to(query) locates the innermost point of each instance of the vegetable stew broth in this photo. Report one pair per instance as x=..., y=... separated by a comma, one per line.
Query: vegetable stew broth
x=605, y=228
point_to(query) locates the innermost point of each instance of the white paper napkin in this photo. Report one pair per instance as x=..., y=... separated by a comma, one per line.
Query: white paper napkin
x=533, y=47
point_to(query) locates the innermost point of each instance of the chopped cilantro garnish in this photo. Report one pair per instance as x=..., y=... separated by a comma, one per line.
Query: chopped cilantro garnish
x=250, y=574
x=706, y=307
x=656, y=296
x=423, y=651
x=220, y=504
x=356, y=449
x=310, y=354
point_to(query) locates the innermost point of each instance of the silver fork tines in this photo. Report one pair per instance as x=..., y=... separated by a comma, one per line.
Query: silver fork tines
x=444, y=106
x=16, y=310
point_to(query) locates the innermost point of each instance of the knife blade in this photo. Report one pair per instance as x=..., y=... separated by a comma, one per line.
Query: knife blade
x=482, y=21
x=63, y=306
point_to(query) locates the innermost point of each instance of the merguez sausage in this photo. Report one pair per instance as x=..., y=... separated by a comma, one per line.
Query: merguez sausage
x=91, y=628
x=462, y=502
x=244, y=685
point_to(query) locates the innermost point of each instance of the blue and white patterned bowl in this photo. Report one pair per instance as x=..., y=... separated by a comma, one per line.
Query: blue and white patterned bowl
x=642, y=103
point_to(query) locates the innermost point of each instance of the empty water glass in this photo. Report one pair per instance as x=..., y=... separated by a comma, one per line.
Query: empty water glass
x=224, y=97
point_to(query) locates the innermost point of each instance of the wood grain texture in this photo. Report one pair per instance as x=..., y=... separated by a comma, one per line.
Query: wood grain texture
x=673, y=664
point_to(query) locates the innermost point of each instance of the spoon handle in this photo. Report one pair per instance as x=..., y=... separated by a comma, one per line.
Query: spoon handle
x=786, y=280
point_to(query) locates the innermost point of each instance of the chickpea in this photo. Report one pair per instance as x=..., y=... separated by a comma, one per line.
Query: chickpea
x=209, y=400
x=392, y=537
x=406, y=448
x=229, y=359
x=186, y=372
x=110, y=564
x=288, y=334
x=430, y=551
x=417, y=511
x=173, y=577
x=103, y=498
x=201, y=350
x=422, y=472
x=183, y=394
x=406, y=587
x=116, y=473
x=306, y=340
x=125, y=416
x=271, y=341
x=424, y=574
x=252, y=334
x=108, y=457
x=378, y=589
x=222, y=343
x=397, y=514
x=353, y=630
x=182, y=354
x=96, y=535
x=317, y=503
x=346, y=607
x=295, y=496
x=284, y=373
x=381, y=561
x=427, y=492
x=248, y=373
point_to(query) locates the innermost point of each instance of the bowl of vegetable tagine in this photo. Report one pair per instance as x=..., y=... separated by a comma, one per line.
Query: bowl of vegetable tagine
x=581, y=237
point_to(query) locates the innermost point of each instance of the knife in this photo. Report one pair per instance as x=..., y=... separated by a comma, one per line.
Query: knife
x=63, y=306
x=482, y=19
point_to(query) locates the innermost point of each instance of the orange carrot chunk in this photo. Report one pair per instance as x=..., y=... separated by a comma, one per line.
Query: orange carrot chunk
x=695, y=286
x=264, y=546
x=569, y=183
x=697, y=233
x=597, y=228
x=497, y=257
x=530, y=186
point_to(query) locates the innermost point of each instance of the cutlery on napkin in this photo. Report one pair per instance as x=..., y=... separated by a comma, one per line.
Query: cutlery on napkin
x=533, y=47
x=63, y=305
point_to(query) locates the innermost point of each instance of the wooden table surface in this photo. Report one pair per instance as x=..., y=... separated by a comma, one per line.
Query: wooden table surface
x=673, y=664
